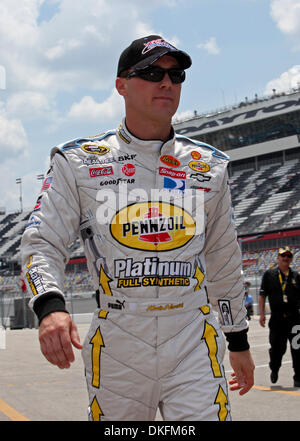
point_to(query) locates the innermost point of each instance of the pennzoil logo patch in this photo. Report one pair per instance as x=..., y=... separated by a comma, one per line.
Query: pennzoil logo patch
x=199, y=166
x=95, y=149
x=153, y=226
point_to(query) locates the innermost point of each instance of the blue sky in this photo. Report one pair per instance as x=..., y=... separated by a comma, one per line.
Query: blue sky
x=58, y=61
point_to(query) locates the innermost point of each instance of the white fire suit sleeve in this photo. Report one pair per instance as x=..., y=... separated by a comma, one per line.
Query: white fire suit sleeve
x=52, y=227
x=224, y=268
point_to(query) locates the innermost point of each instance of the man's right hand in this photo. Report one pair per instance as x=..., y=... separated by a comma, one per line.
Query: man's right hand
x=262, y=320
x=57, y=334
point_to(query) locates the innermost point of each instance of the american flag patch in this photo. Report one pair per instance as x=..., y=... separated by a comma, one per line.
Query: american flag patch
x=46, y=184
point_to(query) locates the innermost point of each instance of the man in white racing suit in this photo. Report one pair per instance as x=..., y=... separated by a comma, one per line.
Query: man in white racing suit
x=154, y=215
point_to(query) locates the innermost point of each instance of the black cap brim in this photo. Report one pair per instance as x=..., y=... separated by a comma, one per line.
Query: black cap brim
x=183, y=59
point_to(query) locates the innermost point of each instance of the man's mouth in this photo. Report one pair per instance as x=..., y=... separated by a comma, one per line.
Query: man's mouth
x=164, y=98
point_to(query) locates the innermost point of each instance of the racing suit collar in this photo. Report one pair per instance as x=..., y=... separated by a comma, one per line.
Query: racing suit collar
x=128, y=137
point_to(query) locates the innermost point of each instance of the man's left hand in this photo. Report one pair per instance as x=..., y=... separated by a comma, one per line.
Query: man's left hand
x=243, y=371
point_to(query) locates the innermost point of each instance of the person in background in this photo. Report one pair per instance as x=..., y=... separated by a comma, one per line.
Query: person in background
x=281, y=285
x=248, y=301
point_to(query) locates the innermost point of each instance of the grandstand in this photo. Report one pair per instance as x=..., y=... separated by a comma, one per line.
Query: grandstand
x=262, y=139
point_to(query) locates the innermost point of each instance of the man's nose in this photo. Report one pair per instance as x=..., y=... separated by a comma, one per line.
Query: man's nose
x=166, y=81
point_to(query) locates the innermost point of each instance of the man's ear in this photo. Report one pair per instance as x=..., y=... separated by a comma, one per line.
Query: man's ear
x=121, y=86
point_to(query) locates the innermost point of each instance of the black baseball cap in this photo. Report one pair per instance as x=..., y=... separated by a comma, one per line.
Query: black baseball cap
x=285, y=250
x=146, y=50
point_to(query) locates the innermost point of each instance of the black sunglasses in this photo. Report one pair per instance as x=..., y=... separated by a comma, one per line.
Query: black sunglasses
x=156, y=74
x=289, y=255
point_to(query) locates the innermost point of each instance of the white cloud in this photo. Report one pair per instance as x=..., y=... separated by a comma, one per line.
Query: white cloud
x=287, y=80
x=28, y=105
x=210, y=46
x=81, y=44
x=13, y=137
x=183, y=116
x=18, y=22
x=2, y=77
x=48, y=62
x=90, y=110
x=286, y=13
x=78, y=47
x=61, y=48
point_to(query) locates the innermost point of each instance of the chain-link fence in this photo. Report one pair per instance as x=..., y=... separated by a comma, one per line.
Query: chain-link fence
x=15, y=312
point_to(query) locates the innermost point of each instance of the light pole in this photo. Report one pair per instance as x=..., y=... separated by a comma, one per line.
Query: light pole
x=40, y=177
x=19, y=181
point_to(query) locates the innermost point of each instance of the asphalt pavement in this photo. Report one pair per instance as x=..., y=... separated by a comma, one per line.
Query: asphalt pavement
x=31, y=389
